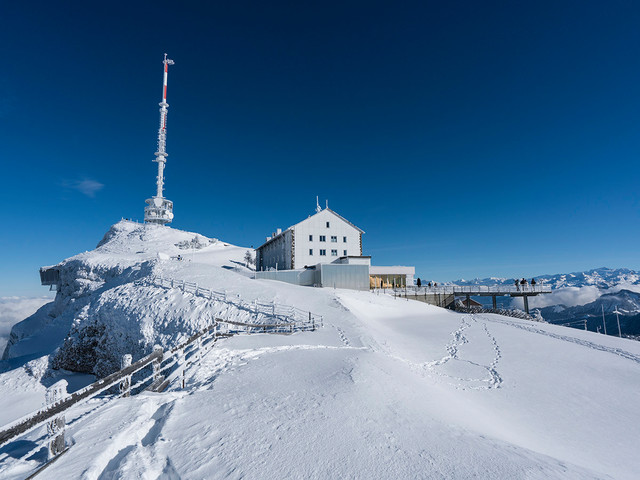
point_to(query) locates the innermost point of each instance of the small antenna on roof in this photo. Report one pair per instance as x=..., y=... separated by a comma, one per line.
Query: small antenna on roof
x=326, y=203
x=318, y=209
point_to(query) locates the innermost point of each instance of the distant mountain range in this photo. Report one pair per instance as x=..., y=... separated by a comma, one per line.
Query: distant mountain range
x=626, y=302
x=598, y=277
x=583, y=296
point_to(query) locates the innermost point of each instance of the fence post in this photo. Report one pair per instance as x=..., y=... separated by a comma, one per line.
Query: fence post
x=181, y=363
x=183, y=286
x=156, y=362
x=172, y=283
x=125, y=383
x=55, y=426
x=196, y=292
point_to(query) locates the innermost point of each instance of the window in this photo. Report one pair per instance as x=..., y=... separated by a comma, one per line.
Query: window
x=334, y=239
x=334, y=253
x=345, y=253
x=327, y=224
x=311, y=251
x=323, y=238
x=323, y=252
x=344, y=239
x=311, y=238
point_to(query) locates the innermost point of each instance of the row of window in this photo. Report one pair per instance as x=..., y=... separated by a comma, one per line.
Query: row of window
x=323, y=238
x=323, y=252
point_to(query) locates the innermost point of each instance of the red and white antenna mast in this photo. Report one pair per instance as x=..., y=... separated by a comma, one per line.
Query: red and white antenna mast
x=159, y=210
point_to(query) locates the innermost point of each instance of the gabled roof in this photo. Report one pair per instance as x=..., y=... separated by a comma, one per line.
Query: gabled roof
x=331, y=211
x=292, y=226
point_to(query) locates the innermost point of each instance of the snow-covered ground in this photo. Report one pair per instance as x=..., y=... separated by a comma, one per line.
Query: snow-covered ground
x=386, y=389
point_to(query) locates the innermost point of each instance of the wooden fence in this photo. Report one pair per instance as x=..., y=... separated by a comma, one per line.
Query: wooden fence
x=160, y=363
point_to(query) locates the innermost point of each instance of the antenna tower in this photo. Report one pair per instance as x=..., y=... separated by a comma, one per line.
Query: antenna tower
x=159, y=210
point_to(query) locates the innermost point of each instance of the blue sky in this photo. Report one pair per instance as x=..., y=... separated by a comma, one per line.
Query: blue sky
x=469, y=139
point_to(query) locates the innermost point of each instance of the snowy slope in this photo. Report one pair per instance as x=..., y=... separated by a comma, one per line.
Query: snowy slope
x=387, y=389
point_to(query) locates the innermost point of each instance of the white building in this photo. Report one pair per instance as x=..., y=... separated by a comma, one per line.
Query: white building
x=321, y=238
x=391, y=277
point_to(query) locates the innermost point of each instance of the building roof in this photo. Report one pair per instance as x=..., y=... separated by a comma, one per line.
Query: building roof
x=336, y=214
x=273, y=238
x=292, y=226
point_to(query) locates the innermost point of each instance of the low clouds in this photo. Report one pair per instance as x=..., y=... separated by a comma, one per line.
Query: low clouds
x=14, y=310
x=86, y=186
x=573, y=296
x=567, y=296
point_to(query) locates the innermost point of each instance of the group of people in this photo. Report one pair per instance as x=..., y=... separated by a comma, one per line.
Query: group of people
x=419, y=284
x=522, y=284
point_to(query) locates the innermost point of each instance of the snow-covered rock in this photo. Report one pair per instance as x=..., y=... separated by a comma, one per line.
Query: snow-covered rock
x=106, y=307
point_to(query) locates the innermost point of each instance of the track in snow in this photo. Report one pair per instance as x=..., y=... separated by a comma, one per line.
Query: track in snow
x=585, y=343
x=490, y=377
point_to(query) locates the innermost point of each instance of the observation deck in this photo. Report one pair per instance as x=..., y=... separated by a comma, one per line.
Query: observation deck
x=445, y=295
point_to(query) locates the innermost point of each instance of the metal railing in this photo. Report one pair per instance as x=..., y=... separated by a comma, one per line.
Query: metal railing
x=259, y=312
x=500, y=311
x=468, y=289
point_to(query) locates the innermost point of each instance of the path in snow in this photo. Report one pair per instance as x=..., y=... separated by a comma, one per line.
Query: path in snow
x=566, y=338
x=480, y=373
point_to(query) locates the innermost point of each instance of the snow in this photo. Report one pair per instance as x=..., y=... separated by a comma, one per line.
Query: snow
x=15, y=309
x=388, y=388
